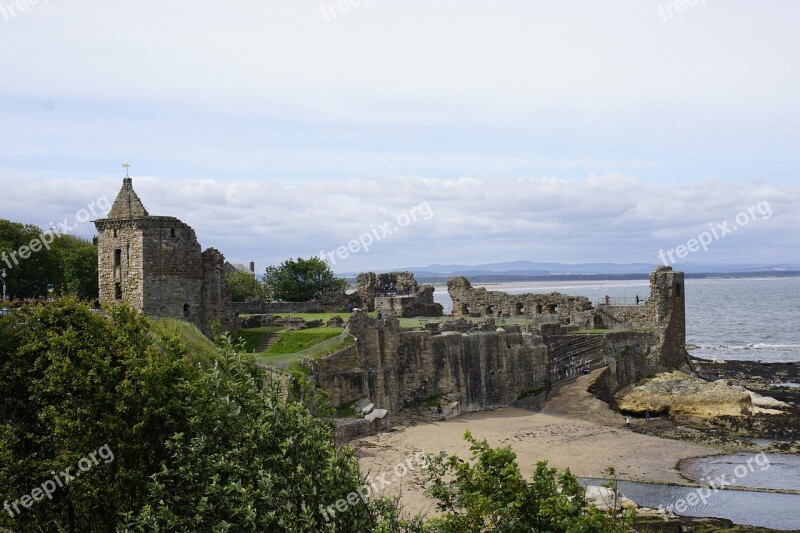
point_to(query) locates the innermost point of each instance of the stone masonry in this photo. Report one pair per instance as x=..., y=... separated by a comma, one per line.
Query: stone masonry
x=468, y=301
x=396, y=293
x=396, y=369
x=156, y=265
x=483, y=365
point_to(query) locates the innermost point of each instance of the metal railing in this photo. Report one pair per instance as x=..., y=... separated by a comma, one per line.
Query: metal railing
x=620, y=301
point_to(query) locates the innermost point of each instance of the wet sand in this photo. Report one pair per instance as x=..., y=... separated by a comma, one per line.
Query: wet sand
x=575, y=431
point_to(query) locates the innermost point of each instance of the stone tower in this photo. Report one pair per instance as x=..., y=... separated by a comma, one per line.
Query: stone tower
x=667, y=306
x=155, y=264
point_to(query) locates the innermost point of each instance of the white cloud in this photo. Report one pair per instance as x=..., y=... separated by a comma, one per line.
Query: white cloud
x=600, y=218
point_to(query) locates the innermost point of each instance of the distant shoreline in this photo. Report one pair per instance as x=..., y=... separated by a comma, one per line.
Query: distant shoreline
x=505, y=278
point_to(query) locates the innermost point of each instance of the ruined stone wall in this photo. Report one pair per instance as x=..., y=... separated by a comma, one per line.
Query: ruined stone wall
x=483, y=365
x=256, y=306
x=367, y=289
x=630, y=356
x=172, y=270
x=395, y=368
x=396, y=293
x=469, y=301
x=640, y=316
x=215, y=296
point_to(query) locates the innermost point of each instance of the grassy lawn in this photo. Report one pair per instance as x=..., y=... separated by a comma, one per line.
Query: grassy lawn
x=199, y=347
x=253, y=336
x=291, y=342
x=294, y=341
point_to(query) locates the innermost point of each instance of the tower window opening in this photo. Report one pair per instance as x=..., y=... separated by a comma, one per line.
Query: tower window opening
x=118, y=291
x=172, y=233
x=185, y=310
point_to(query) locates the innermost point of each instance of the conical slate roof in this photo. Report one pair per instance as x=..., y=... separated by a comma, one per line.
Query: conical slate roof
x=127, y=204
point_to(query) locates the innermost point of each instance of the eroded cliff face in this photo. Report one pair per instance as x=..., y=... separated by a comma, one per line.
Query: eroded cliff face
x=397, y=369
x=485, y=366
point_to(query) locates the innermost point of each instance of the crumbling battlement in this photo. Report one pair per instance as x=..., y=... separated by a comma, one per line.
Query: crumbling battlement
x=469, y=301
x=396, y=293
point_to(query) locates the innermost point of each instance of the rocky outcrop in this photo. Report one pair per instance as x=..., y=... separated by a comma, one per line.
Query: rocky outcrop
x=680, y=395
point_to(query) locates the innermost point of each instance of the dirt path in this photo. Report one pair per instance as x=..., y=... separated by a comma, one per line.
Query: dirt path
x=572, y=400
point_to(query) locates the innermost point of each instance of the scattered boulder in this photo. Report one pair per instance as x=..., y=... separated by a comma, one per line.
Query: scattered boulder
x=364, y=406
x=603, y=499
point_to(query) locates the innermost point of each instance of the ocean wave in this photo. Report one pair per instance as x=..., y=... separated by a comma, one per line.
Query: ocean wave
x=756, y=346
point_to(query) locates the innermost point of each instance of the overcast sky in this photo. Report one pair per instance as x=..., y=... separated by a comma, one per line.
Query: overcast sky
x=570, y=131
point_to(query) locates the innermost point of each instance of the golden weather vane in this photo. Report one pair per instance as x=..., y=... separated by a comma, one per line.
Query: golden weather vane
x=126, y=166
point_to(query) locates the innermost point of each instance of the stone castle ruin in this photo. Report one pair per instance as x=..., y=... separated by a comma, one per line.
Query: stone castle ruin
x=156, y=265
x=478, y=365
x=396, y=293
x=553, y=307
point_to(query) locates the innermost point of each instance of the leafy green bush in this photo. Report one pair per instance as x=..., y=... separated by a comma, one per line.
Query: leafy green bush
x=490, y=494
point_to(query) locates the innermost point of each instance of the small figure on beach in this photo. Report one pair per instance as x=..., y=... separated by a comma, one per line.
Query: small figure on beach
x=647, y=416
x=608, y=299
x=637, y=299
x=628, y=421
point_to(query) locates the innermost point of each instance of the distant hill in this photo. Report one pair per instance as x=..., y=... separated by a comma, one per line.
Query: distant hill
x=535, y=271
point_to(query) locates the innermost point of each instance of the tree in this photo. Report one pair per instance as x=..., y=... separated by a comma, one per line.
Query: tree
x=302, y=280
x=35, y=261
x=75, y=269
x=28, y=273
x=244, y=285
x=71, y=382
x=196, y=444
x=251, y=460
x=492, y=495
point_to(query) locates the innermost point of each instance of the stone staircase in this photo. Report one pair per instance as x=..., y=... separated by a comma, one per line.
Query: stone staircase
x=608, y=315
x=266, y=342
x=570, y=354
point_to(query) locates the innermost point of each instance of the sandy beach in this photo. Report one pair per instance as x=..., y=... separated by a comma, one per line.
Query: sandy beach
x=574, y=430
